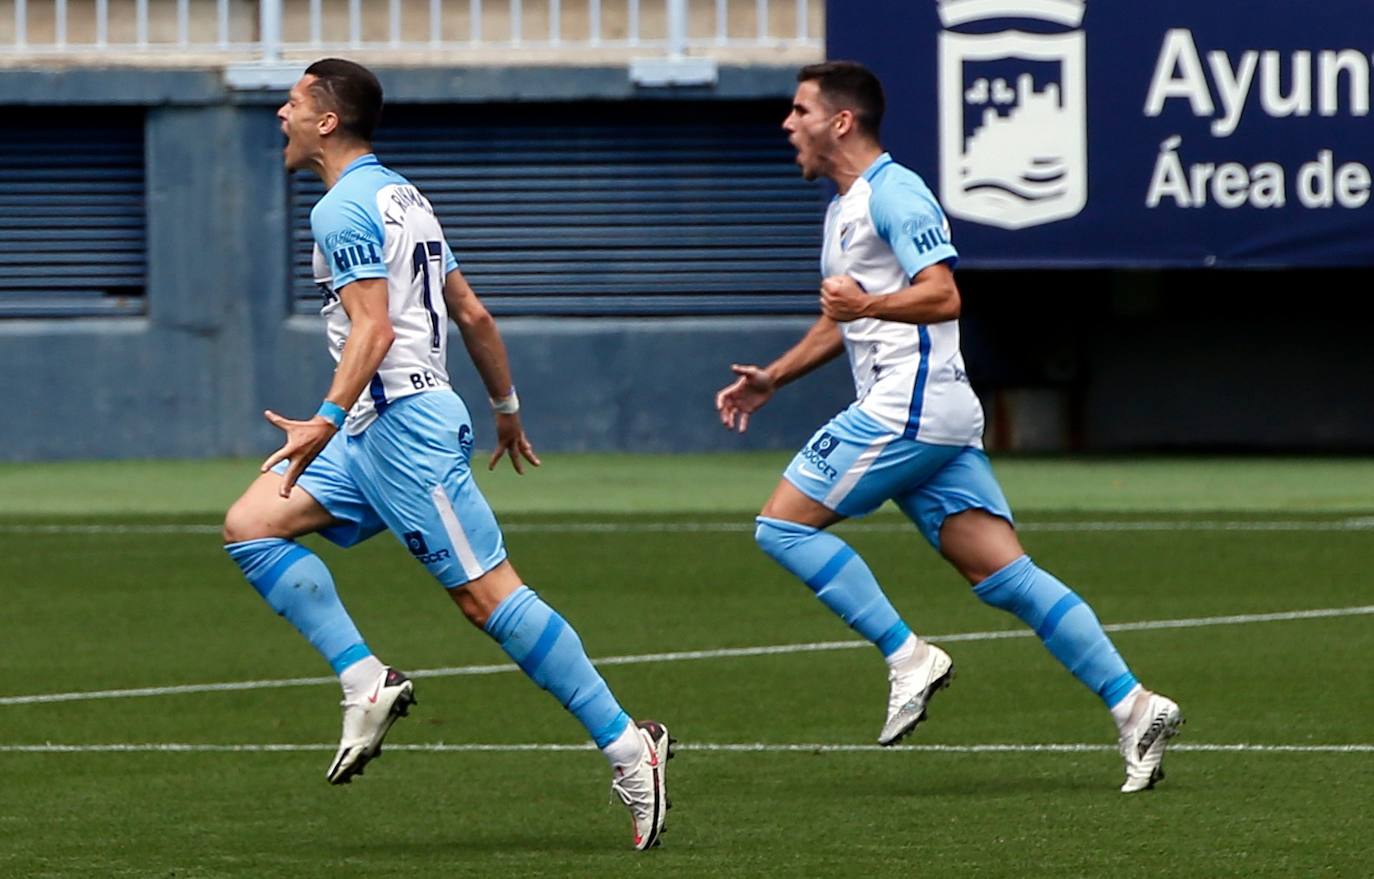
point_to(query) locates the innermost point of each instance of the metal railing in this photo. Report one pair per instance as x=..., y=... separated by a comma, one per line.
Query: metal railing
x=273, y=30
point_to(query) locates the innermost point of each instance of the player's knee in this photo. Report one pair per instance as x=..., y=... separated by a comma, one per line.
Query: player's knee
x=1008, y=588
x=776, y=536
x=766, y=536
x=241, y=524
x=479, y=598
x=975, y=569
x=234, y=528
x=476, y=611
x=978, y=544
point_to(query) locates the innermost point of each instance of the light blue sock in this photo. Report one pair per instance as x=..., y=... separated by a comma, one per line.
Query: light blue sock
x=840, y=579
x=1064, y=622
x=299, y=587
x=548, y=650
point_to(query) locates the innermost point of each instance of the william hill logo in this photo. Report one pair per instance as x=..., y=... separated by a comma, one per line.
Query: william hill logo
x=346, y=258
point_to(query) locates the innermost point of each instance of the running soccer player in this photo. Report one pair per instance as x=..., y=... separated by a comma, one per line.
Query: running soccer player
x=389, y=450
x=914, y=435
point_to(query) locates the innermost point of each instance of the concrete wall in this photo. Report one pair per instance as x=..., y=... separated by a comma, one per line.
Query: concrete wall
x=1068, y=360
x=218, y=343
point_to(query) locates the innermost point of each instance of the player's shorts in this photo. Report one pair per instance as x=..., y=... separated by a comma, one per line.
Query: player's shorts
x=408, y=472
x=853, y=464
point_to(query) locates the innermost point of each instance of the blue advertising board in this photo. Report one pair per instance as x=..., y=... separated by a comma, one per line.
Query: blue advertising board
x=1104, y=133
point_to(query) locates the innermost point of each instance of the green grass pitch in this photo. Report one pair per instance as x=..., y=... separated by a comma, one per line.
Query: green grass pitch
x=113, y=579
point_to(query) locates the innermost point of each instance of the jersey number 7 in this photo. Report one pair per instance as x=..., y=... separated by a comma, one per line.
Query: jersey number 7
x=427, y=252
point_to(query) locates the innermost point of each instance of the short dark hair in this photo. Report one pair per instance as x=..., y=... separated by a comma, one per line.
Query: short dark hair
x=848, y=85
x=350, y=90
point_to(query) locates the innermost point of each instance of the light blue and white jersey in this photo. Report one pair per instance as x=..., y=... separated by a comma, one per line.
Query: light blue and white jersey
x=910, y=377
x=372, y=223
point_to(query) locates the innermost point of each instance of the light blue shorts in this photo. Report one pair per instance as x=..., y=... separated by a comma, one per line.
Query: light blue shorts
x=408, y=472
x=854, y=464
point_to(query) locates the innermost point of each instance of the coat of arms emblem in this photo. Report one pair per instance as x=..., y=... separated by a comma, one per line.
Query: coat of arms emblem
x=1013, y=118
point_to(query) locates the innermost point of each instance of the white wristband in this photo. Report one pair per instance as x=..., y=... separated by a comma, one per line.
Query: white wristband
x=507, y=405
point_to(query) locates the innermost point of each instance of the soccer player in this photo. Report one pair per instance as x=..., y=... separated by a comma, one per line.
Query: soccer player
x=914, y=434
x=389, y=450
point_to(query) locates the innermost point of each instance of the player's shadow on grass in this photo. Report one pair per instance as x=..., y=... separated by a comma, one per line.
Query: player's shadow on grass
x=489, y=843
x=914, y=784
x=454, y=842
x=915, y=788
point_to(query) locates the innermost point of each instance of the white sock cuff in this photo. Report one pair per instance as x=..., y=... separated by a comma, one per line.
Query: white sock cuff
x=626, y=748
x=358, y=677
x=1121, y=711
x=905, y=653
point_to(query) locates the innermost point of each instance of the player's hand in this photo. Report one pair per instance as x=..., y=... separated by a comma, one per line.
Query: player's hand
x=511, y=440
x=842, y=299
x=745, y=396
x=304, y=441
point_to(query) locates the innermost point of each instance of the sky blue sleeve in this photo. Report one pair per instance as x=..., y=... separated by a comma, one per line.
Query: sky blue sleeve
x=450, y=262
x=350, y=236
x=913, y=225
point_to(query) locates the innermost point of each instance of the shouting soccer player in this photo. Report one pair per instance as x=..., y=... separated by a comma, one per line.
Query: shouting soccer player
x=389, y=449
x=914, y=435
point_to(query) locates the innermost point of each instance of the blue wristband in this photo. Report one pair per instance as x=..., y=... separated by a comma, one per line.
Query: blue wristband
x=333, y=413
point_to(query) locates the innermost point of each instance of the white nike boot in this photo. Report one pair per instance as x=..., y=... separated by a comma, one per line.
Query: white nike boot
x=642, y=785
x=912, y=686
x=367, y=721
x=1154, y=720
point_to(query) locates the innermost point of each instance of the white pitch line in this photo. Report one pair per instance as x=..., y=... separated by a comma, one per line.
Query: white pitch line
x=705, y=747
x=1362, y=523
x=685, y=655
x=1103, y=526
x=109, y=529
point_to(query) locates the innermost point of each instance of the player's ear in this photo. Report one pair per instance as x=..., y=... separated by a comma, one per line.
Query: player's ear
x=329, y=122
x=843, y=122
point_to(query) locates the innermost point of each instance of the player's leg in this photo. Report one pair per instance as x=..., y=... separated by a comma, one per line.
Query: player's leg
x=790, y=529
x=964, y=514
x=426, y=494
x=259, y=533
x=849, y=468
x=549, y=651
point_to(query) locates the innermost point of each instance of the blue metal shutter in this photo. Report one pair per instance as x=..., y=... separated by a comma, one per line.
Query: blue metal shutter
x=72, y=220
x=627, y=208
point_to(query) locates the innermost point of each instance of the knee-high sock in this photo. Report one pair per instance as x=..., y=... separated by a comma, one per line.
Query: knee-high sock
x=840, y=579
x=298, y=586
x=1064, y=622
x=548, y=650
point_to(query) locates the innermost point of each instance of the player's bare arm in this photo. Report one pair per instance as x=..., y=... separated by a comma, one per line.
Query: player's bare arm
x=370, y=338
x=932, y=298
x=755, y=385
x=488, y=353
